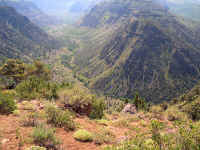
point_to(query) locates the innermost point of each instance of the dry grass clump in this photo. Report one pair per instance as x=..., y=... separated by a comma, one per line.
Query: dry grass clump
x=60, y=118
x=174, y=114
x=104, y=136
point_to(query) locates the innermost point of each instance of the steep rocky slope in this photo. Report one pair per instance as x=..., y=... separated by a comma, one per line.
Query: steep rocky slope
x=21, y=38
x=150, y=51
x=110, y=12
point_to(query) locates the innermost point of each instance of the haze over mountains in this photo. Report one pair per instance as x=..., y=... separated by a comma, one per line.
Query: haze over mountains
x=65, y=7
x=186, y=8
x=30, y=10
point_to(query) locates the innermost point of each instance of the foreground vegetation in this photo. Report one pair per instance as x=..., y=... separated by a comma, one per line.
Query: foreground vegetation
x=52, y=115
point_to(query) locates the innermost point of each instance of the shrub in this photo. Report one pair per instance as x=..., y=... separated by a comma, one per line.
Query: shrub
x=60, y=118
x=45, y=137
x=194, y=110
x=30, y=119
x=39, y=69
x=13, y=71
x=7, y=104
x=98, y=107
x=78, y=101
x=140, y=103
x=83, y=103
x=83, y=135
x=174, y=114
x=103, y=135
x=35, y=87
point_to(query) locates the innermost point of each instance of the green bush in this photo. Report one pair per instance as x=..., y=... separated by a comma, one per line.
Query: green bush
x=140, y=103
x=60, y=118
x=7, y=104
x=83, y=135
x=83, y=103
x=44, y=136
x=80, y=103
x=35, y=87
x=98, y=107
x=13, y=72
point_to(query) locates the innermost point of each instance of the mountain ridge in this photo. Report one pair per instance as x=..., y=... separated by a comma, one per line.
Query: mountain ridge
x=150, y=52
x=20, y=38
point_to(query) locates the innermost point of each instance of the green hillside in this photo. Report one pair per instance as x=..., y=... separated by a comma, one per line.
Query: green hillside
x=19, y=38
x=139, y=48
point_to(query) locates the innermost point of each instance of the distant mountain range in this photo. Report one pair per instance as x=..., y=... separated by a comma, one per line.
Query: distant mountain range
x=146, y=49
x=62, y=7
x=20, y=38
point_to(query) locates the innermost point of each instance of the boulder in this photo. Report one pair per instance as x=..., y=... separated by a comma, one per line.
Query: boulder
x=129, y=108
